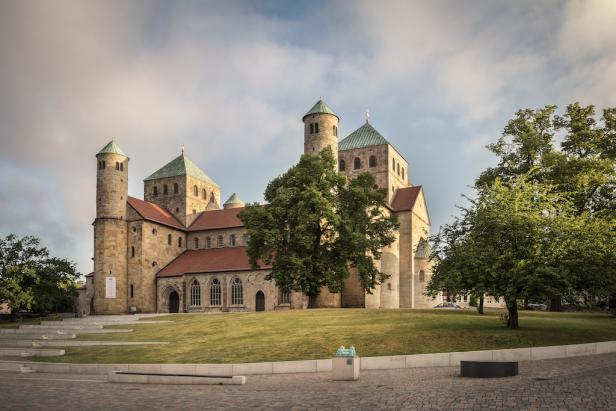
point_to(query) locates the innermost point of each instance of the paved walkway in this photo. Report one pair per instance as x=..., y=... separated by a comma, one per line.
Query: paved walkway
x=576, y=383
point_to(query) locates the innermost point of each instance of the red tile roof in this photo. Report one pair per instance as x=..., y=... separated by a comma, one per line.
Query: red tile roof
x=405, y=198
x=212, y=260
x=215, y=219
x=154, y=212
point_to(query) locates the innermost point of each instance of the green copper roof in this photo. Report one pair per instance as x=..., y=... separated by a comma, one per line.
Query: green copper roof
x=111, y=148
x=424, y=249
x=181, y=166
x=234, y=199
x=365, y=136
x=319, y=108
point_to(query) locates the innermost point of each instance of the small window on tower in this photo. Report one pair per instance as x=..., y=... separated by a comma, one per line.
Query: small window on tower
x=398, y=168
x=357, y=163
x=311, y=128
x=154, y=231
x=121, y=166
x=196, y=191
x=179, y=241
x=212, y=198
x=316, y=127
x=176, y=189
x=131, y=291
x=165, y=189
x=155, y=191
x=372, y=161
x=403, y=173
x=169, y=239
x=393, y=164
x=204, y=194
x=132, y=251
x=104, y=164
x=117, y=166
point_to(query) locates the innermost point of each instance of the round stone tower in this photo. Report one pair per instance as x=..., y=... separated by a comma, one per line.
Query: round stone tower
x=110, y=231
x=321, y=129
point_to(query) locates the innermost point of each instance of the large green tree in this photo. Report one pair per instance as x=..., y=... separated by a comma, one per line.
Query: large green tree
x=582, y=169
x=316, y=224
x=32, y=280
x=519, y=240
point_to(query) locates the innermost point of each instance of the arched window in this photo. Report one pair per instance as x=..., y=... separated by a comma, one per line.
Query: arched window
x=393, y=164
x=335, y=131
x=155, y=191
x=422, y=276
x=176, y=189
x=357, y=163
x=117, y=166
x=398, y=165
x=165, y=189
x=316, y=127
x=311, y=128
x=283, y=297
x=237, y=292
x=169, y=239
x=154, y=263
x=204, y=194
x=132, y=251
x=196, y=191
x=179, y=241
x=154, y=231
x=342, y=165
x=212, y=197
x=215, y=292
x=121, y=166
x=372, y=161
x=195, y=293
x=208, y=242
x=403, y=173
x=196, y=243
x=232, y=240
x=221, y=241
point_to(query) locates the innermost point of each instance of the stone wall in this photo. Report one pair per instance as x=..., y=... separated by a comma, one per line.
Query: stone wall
x=353, y=294
x=380, y=171
x=397, y=172
x=111, y=186
x=110, y=261
x=315, y=142
x=213, y=235
x=406, y=251
x=252, y=282
x=152, y=252
x=184, y=205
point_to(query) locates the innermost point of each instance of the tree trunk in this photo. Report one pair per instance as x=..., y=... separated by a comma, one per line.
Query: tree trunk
x=512, y=311
x=556, y=304
x=480, y=305
x=612, y=304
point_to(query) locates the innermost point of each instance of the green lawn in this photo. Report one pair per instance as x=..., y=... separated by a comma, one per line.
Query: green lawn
x=312, y=334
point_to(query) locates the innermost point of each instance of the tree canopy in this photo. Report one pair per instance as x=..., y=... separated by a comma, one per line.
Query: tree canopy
x=543, y=223
x=31, y=279
x=316, y=224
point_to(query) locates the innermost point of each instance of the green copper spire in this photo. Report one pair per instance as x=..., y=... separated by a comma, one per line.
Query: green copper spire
x=181, y=166
x=424, y=249
x=320, y=108
x=365, y=136
x=234, y=199
x=112, y=148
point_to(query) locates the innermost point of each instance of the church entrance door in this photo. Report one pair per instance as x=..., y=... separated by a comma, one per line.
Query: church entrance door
x=260, y=301
x=174, y=302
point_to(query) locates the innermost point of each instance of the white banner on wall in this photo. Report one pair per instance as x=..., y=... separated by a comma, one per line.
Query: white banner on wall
x=110, y=287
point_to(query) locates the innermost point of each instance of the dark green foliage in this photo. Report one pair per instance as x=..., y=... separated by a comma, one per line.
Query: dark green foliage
x=32, y=280
x=315, y=224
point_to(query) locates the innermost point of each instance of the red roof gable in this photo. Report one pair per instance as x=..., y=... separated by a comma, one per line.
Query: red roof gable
x=154, y=212
x=211, y=260
x=215, y=219
x=405, y=198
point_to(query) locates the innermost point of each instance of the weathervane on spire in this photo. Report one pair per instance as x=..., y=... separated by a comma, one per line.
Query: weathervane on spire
x=182, y=148
x=367, y=115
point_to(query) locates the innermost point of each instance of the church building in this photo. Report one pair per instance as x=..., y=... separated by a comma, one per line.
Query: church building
x=181, y=249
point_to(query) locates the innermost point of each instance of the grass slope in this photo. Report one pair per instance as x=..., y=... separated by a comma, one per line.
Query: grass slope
x=312, y=334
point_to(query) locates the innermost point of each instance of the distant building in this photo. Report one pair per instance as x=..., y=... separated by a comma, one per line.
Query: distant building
x=180, y=250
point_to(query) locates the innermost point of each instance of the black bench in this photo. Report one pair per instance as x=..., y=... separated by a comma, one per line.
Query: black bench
x=488, y=369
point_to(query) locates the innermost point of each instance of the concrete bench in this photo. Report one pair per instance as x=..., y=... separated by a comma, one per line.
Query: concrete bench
x=488, y=369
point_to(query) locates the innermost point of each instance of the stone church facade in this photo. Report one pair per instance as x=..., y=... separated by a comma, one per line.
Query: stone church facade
x=181, y=250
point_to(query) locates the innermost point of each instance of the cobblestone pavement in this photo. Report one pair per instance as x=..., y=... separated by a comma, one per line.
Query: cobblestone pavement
x=576, y=383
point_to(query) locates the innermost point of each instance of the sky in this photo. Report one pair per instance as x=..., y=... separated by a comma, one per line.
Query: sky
x=231, y=81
